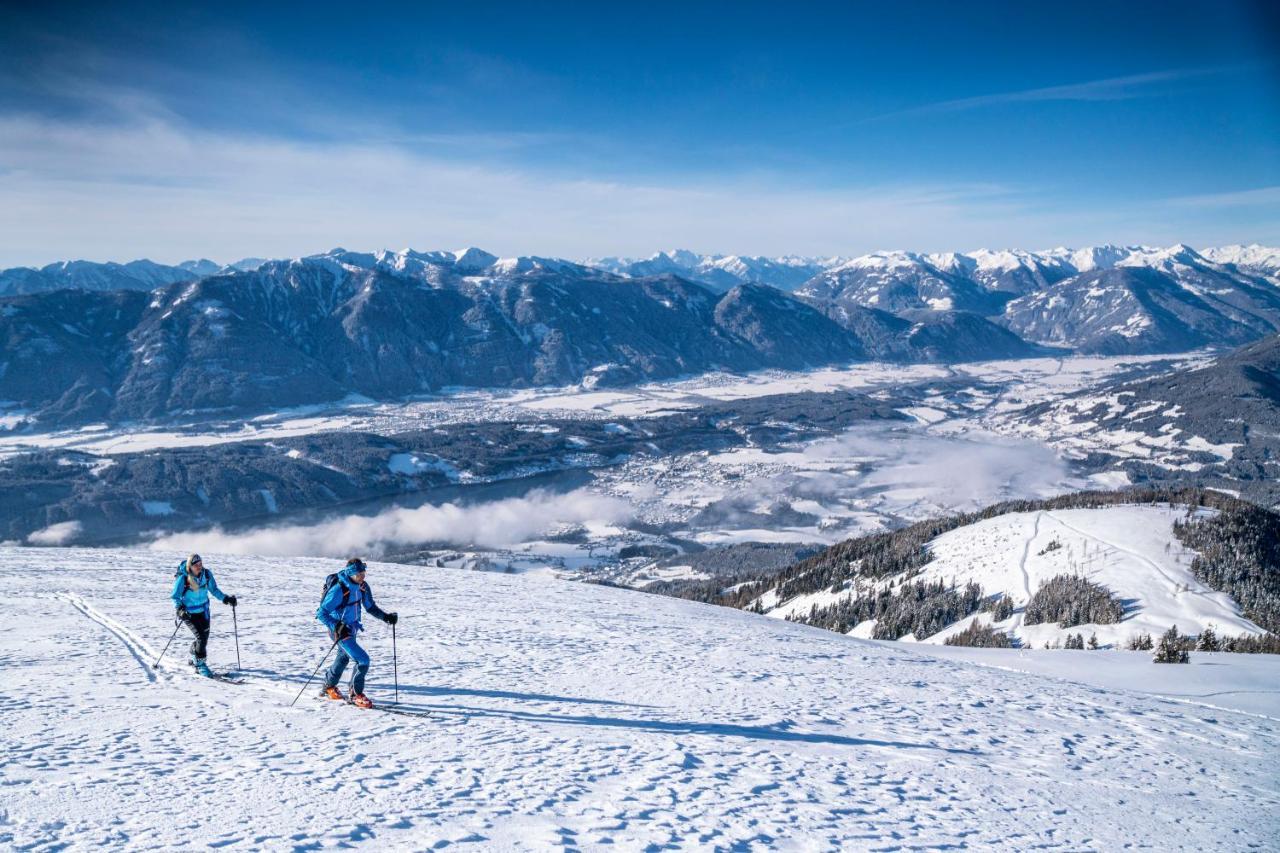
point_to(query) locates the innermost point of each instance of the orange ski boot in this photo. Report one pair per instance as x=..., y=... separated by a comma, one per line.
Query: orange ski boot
x=361, y=701
x=332, y=693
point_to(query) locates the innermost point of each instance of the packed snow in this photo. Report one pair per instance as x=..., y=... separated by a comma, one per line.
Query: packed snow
x=578, y=716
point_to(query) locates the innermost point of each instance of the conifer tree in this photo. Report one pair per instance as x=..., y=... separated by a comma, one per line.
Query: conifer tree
x=1170, y=649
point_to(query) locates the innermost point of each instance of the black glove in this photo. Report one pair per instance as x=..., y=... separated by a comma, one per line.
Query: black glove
x=341, y=632
x=392, y=618
x=230, y=599
x=180, y=613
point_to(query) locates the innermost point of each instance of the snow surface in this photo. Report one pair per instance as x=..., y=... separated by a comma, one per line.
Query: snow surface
x=1232, y=682
x=567, y=715
x=1130, y=550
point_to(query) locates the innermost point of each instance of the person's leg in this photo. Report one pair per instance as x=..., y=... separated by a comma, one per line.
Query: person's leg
x=334, y=673
x=198, y=624
x=361, y=659
x=202, y=635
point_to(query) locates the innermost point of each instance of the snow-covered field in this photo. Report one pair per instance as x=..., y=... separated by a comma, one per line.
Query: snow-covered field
x=574, y=716
x=1130, y=550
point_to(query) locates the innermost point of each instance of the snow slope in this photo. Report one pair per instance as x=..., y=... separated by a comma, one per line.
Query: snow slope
x=573, y=716
x=1130, y=550
x=1232, y=682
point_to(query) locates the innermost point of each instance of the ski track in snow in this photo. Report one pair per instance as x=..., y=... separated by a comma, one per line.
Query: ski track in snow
x=570, y=716
x=1022, y=564
x=1174, y=586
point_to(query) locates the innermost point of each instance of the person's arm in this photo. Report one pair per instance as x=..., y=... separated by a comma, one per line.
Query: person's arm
x=366, y=598
x=178, y=583
x=212, y=586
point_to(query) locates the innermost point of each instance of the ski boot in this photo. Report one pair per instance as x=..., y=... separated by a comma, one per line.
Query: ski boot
x=201, y=667
x=361, y=701
x=332, y=693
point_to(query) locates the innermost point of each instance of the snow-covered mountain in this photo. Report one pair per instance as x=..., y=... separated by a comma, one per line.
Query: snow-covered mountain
x=92, y=275
x=721, y=272
x=901, y=281
x=1218, y=424
x=536, y=714
x=389, y=324
x=259, y=335
x=89, y=275
x=1254, y=258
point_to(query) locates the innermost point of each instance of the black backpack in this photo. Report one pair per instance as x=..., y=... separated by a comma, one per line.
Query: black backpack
x=328, y=585
x=329, y=581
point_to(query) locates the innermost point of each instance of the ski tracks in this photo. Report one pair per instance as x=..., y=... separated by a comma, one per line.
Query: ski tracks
x=1022, y=566
x=1173, y=584
x=136, y=646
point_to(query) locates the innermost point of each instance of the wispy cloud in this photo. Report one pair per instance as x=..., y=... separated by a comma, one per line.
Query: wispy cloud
x=1258, y=197
x=1105, y=89
x=132, y=179
x=155, y=186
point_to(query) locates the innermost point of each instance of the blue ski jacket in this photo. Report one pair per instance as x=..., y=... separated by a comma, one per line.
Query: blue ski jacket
x=195, y=600
x=333, y=611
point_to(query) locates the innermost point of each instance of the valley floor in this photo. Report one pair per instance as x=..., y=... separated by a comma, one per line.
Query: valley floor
x=565, y=715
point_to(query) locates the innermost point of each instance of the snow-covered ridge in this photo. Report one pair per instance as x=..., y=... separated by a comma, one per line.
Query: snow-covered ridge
x=1061, y=261
x=560, y=714
x=788, y=272
x=1256, y=256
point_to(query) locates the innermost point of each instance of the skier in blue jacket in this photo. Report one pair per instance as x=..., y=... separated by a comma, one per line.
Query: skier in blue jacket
x=340, y=613
x=192, y=584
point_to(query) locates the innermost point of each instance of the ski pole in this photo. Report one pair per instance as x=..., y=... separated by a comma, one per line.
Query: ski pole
x=395, y=669
x=236, y=625
x=313, y=675
x=178, y=625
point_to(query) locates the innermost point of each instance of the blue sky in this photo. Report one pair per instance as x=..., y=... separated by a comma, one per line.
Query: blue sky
x=226, y=130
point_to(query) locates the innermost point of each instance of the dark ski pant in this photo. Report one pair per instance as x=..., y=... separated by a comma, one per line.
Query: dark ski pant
x=199, y=625
x=348, y=650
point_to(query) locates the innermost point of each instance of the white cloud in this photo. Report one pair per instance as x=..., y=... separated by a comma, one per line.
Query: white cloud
x=55, y=534
x=497, y=524
x=1259, y=197
x=151, y=187
x=141, y=183
x=1104, y=89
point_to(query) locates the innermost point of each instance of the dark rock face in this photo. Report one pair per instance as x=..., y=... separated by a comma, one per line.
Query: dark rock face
x=65, y=352
x=956, y=336
x=788, y=332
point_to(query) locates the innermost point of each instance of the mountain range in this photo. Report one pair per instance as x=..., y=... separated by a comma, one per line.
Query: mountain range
x=143, y=341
